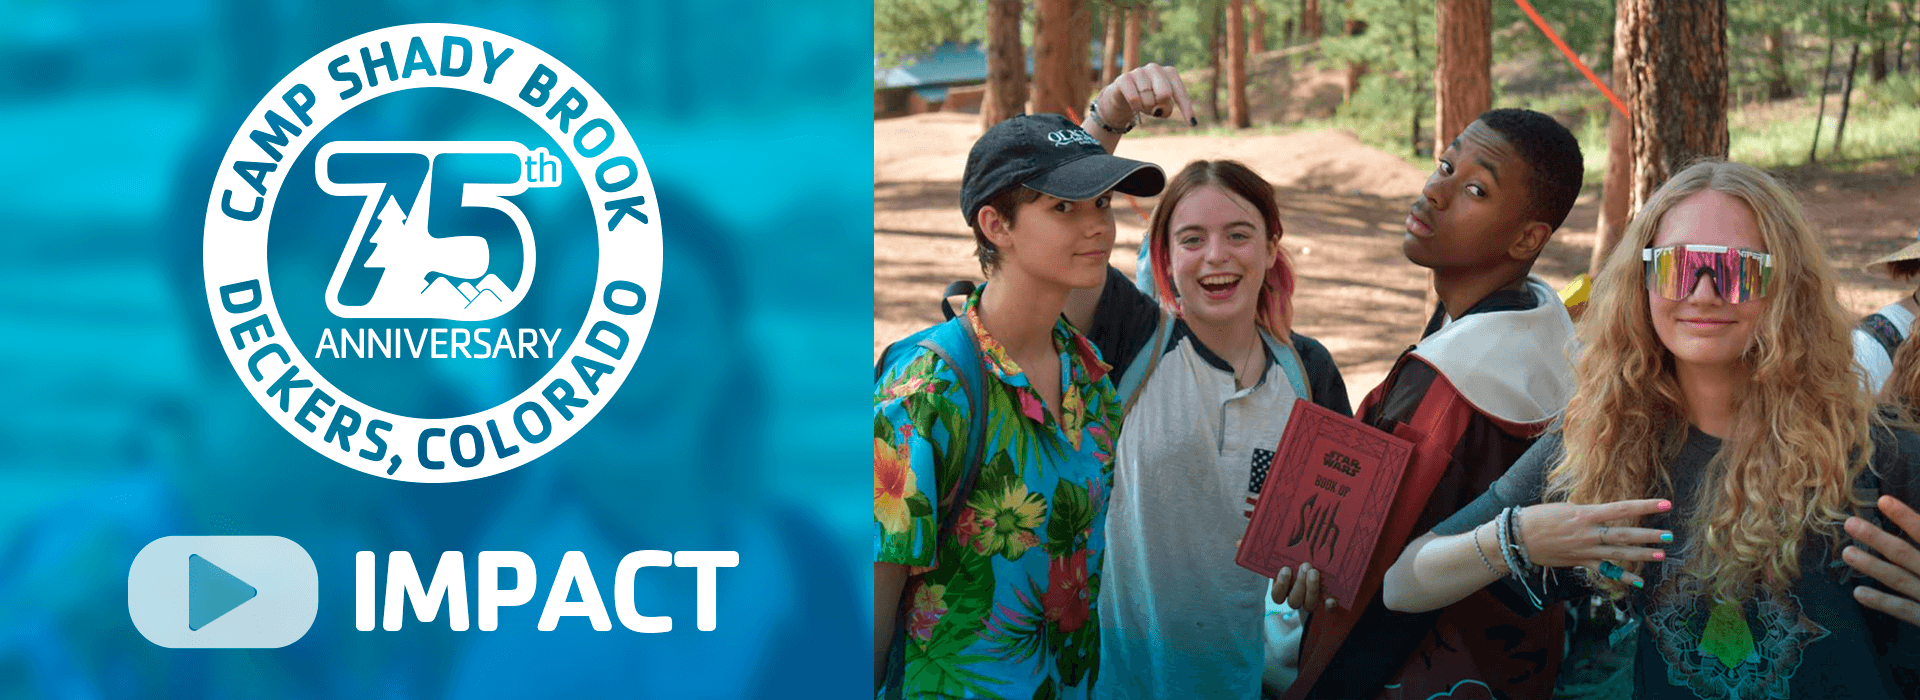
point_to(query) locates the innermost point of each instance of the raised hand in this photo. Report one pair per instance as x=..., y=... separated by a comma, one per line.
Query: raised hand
x=1900, y=570
x=1150, y=90
x=1564, y=534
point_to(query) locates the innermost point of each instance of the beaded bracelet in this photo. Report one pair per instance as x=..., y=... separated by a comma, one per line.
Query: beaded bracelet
x=1519, y=541
x=1506, y=551
x=1516, y=555
x=1093, y=109
x=1483, y=553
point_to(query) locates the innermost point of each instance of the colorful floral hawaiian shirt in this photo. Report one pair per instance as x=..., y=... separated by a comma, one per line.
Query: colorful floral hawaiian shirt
x=1005, y=606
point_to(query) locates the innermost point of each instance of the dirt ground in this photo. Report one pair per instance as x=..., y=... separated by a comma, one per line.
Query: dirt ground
x=1342, y=206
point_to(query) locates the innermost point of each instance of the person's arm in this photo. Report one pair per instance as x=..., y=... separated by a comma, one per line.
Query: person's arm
x=906, y=473
x=1150, y=89
x=1438, y=570
x=889, y=580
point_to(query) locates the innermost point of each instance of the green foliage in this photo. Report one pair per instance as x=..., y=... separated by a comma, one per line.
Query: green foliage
x=1398, y=40
x=1185, y=34
x=1874, y=133
x=1896, y=92
x=1586, y=26
x=907, y=27
x=1398, y=48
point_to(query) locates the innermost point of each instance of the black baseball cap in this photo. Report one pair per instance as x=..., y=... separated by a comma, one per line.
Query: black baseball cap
x=1046, y=152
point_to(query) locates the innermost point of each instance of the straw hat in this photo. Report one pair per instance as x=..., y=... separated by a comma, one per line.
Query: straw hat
x=1879, y=265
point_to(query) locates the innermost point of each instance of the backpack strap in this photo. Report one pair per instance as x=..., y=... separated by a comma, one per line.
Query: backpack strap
x=956, y=288
x=1290, y=362
x=1882, y=330
x=1135, y=378
x=954, y=343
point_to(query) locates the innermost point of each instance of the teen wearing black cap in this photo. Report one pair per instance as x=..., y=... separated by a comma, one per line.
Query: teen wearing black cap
x=999, y=602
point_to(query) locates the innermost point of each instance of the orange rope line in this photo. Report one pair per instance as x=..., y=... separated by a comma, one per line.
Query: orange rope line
x=1542, y=24
x=1138, y=211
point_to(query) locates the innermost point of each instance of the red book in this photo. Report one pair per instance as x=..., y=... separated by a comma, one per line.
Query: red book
x=1325, y=500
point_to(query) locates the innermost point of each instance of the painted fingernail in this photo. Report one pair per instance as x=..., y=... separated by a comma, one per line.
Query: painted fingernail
x=1659, y=556
x=1666, y=537
x=1637, y=583
x=1666, y=505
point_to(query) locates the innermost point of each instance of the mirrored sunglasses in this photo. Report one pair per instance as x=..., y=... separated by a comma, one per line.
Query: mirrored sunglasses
x=1738, y=275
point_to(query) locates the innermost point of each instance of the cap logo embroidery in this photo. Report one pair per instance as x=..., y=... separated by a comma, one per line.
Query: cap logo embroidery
x=1068, y=137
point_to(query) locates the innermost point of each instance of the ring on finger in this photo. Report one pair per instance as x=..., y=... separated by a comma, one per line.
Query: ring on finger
x=1611, y=570
x=1603, y=534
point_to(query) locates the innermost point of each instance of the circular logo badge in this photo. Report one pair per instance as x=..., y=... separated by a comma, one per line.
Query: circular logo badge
x=459, y=252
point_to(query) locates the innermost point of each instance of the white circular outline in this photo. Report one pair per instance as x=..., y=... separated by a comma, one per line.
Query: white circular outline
x=235, y=251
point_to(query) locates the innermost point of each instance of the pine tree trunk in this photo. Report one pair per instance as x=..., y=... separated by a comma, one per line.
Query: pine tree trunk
x=1357, y=69
x=1052, y=57
x=1132, y=60
x=1110, y=48
x=1677, y=87
x=1900, y=45
x=1080, y=60
x=1463, y=70
x=1813, y=152
x=1006, y=64
x=1876, y=51
x=1777, y=86
x=1237, y=111
x=1257, y=39
x=1310, y=19
x=1413, y=42
x=1616, y=193
x=1214, y=48
x=1846, y=99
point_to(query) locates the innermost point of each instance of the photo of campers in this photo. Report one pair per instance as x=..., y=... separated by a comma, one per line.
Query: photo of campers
x=1634, y=279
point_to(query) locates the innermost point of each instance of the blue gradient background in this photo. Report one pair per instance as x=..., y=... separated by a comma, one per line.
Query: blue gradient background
x=121, y=422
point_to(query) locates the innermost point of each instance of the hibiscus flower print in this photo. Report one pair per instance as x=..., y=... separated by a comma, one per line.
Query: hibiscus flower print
x=1102, y=442
x=1030, y=405
x=1008, y=520
x=893, y=484
x=1067, y=599
x=905, y=387
x=1072, y=414
x=929, y=604
x=966, y=530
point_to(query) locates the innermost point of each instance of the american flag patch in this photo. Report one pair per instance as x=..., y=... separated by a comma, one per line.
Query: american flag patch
x=1262, y=462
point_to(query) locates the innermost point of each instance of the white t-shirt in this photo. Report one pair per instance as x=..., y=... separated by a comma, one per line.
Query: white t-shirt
x=1870, y=358
x=1178, y=617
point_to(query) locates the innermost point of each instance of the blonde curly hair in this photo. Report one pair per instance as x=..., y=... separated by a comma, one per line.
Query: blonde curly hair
x=1801, y=422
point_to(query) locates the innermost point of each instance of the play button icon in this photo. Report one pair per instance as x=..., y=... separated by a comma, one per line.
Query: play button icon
x=212, y=592
x=258, y=592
